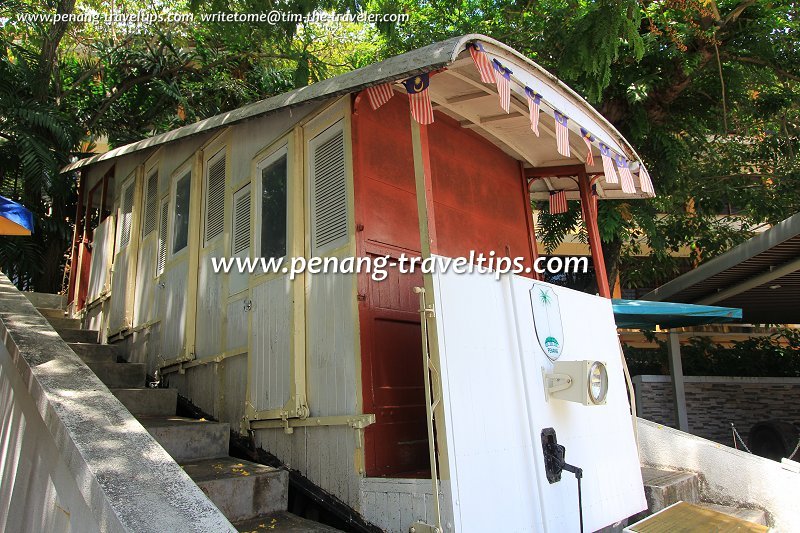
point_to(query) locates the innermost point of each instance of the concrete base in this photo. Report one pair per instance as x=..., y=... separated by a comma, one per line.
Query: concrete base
x=42, y=299
x=96, y=353
x=240, y=489
x=148, y=402
x=285, y=523
x=662, y=488
x=77, y=335
x=52, y=313
x=186, y=439
x=63, y=322
x=119, y=375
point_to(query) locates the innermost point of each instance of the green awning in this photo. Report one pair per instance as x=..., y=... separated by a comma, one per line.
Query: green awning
x=647, y=314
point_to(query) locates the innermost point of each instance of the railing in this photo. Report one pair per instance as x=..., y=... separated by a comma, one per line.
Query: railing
x=71, y=456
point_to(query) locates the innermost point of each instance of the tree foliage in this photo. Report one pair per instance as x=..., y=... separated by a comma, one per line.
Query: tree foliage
x=706, y=90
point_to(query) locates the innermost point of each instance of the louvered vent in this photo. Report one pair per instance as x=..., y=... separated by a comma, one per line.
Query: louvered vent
x=127, y=215
x=329, y=216
x=241, y=221
x=215, y=199
x=162, y=238
x=150, y=205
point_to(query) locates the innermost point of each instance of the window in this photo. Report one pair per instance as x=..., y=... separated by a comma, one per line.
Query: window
x=163, y=227
x=215, y=197
x=180, y=221
x=273, y=209
x=126, y=213
x=329, y=215
x=150, y=203
x=241, y=221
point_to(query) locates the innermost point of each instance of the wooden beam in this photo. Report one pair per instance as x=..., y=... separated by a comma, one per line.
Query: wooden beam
x=502, y=116
x=561, y=171
x=467, y=97
x=590, y=220
x=528, y=210
x=424, y=187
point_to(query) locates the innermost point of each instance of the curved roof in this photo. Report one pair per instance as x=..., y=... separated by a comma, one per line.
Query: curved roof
x=457, y=91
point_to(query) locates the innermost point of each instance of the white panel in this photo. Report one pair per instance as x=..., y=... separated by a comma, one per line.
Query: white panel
x=236, y=325
x=330, y=344
x=271, y=355
x=144, y=296
x=210, y=309
x=102, y=254
x=215, y=197
x=490, y=357
x=328, y=190
x=119, y=279
x=394, y=504
x=173, y=317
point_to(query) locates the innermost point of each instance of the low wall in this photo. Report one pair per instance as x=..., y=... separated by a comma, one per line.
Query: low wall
x=72, y=458
x=712, y=403
x=727, y=476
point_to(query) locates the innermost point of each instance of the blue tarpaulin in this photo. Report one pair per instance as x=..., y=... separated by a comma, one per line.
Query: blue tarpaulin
x=14, y=218
x=647, y=314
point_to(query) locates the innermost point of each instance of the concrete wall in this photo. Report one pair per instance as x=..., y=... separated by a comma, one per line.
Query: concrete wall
x=727, y=476
x=72, y=458
x=712, y=403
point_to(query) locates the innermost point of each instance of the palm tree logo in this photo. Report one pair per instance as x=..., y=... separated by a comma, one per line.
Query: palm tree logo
x=544, y=297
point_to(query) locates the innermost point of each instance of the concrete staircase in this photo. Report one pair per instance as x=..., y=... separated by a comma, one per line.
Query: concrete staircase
x=663, y=488
x=252, y=496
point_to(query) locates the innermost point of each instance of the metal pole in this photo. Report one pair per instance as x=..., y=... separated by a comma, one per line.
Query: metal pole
x=676, y=370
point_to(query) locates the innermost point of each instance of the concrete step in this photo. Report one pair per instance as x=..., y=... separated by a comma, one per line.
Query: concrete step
x=283, y=522
x=756, y=516
x=42, y=299
x=77, y=335
x=662, y=488
x=148, y=402
x=64, y=323
x=240, y=489
x=120, y=375
x=49, y=312
x=96, y=353
x=187, y=439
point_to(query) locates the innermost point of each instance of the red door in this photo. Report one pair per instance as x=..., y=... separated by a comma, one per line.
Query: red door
x=397, y=444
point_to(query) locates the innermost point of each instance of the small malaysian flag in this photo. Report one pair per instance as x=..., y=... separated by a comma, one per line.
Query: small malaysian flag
x=503, y=78
x=534, y=101
x=419, y=99
x=608, y=164
x=625, y=175
x=588, y=138
x=379, y=95
x=562, y=134
x=482, y=62
x=558, y=202
x=645, y=181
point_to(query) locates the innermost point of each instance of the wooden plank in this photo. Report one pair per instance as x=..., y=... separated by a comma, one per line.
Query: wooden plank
x=689, y=517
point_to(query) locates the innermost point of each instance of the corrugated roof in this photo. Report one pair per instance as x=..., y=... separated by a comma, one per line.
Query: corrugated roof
x=761, y=276
x=425, y=59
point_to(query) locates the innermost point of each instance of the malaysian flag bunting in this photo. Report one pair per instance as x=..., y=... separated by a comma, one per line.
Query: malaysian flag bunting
x=608, y=164
x=534, y=100
x=503, y=79
x=419, y=99
x=588, y=138
x=379, y=95
x=482, y=62
x=625, y=175
x=645, y=181
x=558, y=202
x=562, y=134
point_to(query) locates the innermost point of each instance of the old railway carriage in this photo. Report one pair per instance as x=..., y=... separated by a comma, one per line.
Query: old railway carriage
x=431, y=153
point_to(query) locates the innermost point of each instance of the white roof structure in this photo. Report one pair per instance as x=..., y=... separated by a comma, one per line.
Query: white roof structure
x=457, y=91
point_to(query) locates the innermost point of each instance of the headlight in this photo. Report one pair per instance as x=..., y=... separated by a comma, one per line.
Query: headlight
x=598, y=382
